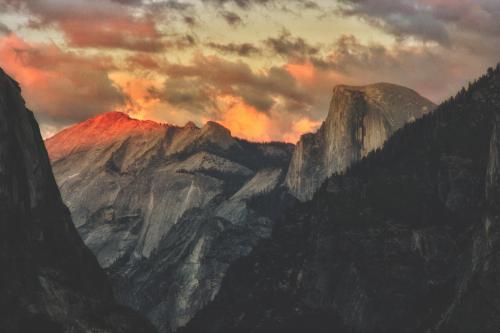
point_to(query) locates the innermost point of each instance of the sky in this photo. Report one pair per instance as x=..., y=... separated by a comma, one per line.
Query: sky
x=263, y=68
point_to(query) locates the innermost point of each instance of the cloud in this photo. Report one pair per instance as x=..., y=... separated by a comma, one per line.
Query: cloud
x=61, y=87
x=440, y=21
x=247, y=122
x=290, y=47
x=102, y=24
x=310, y=5
x=4, y=30
x=226, y=77
x=190, y=21
x=118, y=32
x=240, y=49
x=138, y=92
x=231, y=18
x=258, y=105
x=284, y=45
x=142, y=61
x=247, y=4
x=433, y=71
x=146, y=57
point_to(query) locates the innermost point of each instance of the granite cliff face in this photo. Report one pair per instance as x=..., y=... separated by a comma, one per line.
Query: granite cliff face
x=359, y=121
x=407, y=240
x=49, y=280
x=166, y=209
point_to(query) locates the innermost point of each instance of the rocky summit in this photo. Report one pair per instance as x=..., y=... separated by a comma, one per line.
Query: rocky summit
x=49, y=280
x=359, y=121
x=167, y=209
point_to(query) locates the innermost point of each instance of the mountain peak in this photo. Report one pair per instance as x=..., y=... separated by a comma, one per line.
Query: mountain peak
x=191, y=125
x=215, y=126
x=218, y=134
x=397, y=104
x=111, y=128
x=113, y=115
x=377, y=90
x=121, y=119
x=360, y=119
x=98, y=131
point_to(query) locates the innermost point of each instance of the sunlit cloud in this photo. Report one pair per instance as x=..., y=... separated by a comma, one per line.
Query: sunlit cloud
x=63, y=87
x=139, y=99
x=264, y=68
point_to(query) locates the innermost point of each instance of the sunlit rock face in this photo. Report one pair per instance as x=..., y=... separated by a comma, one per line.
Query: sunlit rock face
x=166, y=209
x=359, y=121
x=49, y=280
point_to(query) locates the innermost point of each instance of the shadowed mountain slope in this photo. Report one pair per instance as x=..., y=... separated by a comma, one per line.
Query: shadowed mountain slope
x=407, y=240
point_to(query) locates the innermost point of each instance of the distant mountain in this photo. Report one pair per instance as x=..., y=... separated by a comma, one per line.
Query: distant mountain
x=407, y=240
x=49, y=280
x=360, y=120
x=166, y=209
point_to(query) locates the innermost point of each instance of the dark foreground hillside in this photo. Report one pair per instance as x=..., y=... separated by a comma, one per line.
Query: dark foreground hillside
x=407, y=240
x=49, y=281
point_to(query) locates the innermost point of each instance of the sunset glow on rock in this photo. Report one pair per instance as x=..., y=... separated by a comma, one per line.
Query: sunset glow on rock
x=100, y=131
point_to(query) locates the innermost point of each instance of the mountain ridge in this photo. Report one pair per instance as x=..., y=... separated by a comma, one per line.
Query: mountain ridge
x=147, y=190
x=115, y=125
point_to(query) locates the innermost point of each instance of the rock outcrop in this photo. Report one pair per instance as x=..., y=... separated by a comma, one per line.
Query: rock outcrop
x=49, y=280
x=166, y=209
x=359, y=121
x=407, y=240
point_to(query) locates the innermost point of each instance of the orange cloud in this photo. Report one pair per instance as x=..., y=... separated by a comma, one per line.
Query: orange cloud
x=142, y=61
x=246, y=122
x=61, y=87
x=299, y=127
x=302, y=72
x=243, y=120
x=140, y=101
